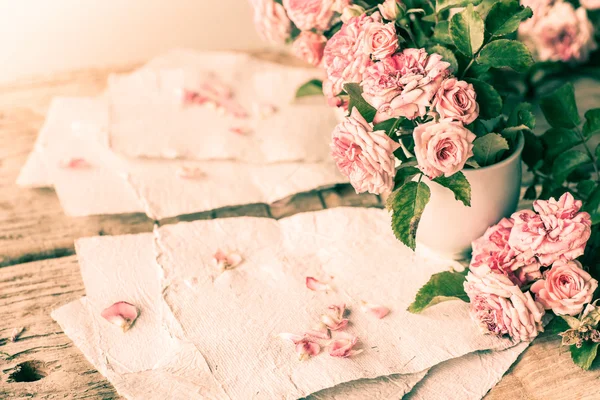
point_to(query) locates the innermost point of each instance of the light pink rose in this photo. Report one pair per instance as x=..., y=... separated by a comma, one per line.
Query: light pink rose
x=557, y=231
x=271, y=21
x=492, y=251
x=590, y=4
x=501, y=308
x=364, y=156
x=565, y=289
x=343, y=57
x=380, y=40
x=442, y=148
x=390, y=9
x=560, y=34
x=309, y=14
x=418, y=76
x=456, y=100
x=309, y=46
x=339, y=5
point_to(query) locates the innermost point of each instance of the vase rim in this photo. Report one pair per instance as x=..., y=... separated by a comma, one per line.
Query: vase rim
x=516, y=154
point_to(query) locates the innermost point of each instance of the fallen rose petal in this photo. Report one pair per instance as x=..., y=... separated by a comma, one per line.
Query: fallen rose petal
x=14, y=336
x=305, y=349
x=240, y=130
x=190, y=173
x=227, y=261
x=339, y=310
x=121, y=314
x=320, y=332
x=74, y=163
x=264, y=111
x=333, y=323
x=375, y=309
x=316, y=285
x=344, y=347
x=292, y=337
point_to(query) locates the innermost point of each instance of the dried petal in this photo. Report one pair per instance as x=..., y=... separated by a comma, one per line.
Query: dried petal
x=316, y=285
x=305, y=349
x=121, y=314
x=227, y=261
x=344, y=347
x=339, y=310
x=191, y=282
x=320, y=332
x=240, y=130
x=292, y=337
x=333, y=323
x=14, y=336
x=186, y=172
x=375, y=309
x=264, y=111
x=74, y=163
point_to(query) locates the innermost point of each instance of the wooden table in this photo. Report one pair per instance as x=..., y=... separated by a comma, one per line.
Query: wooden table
x=40, y=272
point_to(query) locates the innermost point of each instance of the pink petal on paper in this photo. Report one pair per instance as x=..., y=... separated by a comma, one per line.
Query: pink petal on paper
x=216, y=89
x=319, y=332
x=305, y=349
x=333, y=323
x=316, y=285
x=74, y=163
x=227, y=261
x=344, y=347
x=375, y=309
x=232, y=107
x=264, y=111
x=292, y=337
x=190, y=173
x=16, y=333
x=339, y=310
x=121, y=314
x=240, y=130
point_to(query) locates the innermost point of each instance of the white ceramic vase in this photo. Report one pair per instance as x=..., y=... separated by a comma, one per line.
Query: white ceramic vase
x=448, y=227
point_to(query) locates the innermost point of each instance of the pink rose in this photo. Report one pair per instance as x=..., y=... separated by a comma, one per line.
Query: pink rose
x=309, y=14
x=565, y=289
x=590, y=4
x=492, y=251
x=418, y=76
x=380, y=40
x=390, y=9
x=343, y=57
x=271, y=21
x=501, y=308
x=309, y=46
x=364, y=156
x=556, y=231
x=442, y=148
x=456, y=100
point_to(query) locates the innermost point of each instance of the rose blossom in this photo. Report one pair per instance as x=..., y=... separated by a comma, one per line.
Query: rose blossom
x=309, y=47
x=556, y=231
x=351, y=11
x=493, y=251
x=562, y=34
x=416, y=76
x=565, y=289
x=309, y=14
x=380, y=40
x=364, y=156
x=499, y=307
x=271, y=21
x=590, y=4
x=442, y=148
x=390, y=9
x=456, y=100
x=343, y=57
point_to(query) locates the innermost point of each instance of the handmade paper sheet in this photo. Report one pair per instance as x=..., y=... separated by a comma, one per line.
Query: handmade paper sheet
x=149, y=118
x=232, y=317
x=77, y=127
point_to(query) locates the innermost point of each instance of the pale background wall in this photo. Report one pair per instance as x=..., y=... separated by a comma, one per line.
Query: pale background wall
x=38, y=37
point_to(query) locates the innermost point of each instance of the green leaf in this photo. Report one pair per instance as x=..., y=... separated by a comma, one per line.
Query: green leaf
x=441, y=33
x=404, y=174
x=592, y=122
x=441, y=5
x=490, y=102
x=447, y=54
x=466, y=29
x=389, y=126
x=407, y=207
x=441, y=287
x=522, y=115
x=311, y=88
x=533, y=149
x=586, y=187
x=356, y=100
x=556, y=325
x=530, y=193
x=558, y=140
x=560, y=108
x=585, y=355
x=459, y=185
x=488, y=149
x=568, y=162
x=505, y=16
x=506, y=53
x=592, y=206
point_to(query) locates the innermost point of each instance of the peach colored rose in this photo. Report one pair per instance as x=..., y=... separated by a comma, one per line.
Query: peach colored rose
x=419, y=76
x=271, y=21
x=351, y=11
x=442, y=148
x=590, y=4
x=309, y=46
x=343, y=57
x=364, y=156
x=557, y=231
x=340, y=5
x=456, y=100
x=309, y=14
x=493, y=251
x=501, y=308
x=390, y=9
x=380, y=40
x=565, y=289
